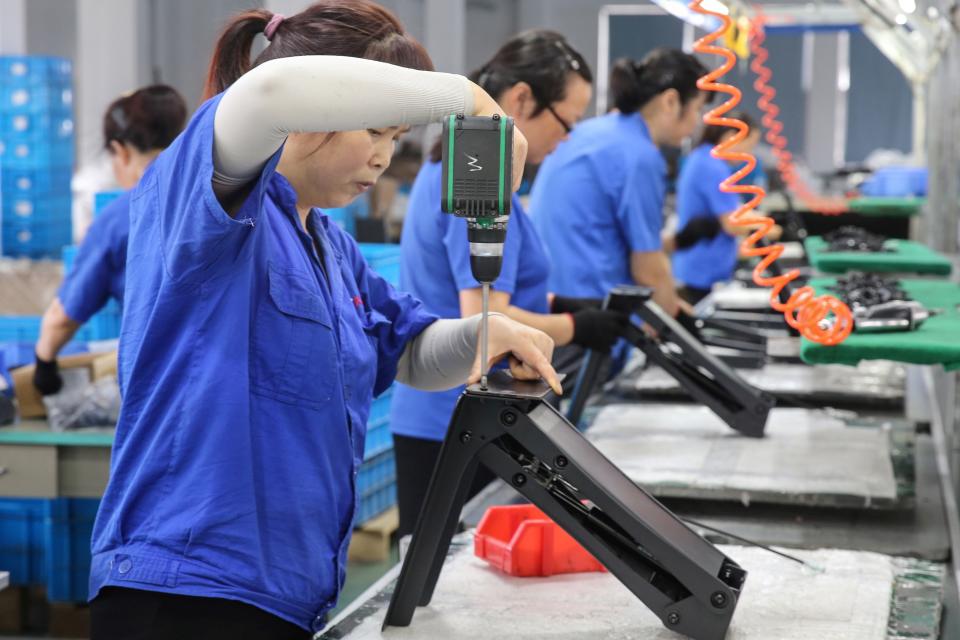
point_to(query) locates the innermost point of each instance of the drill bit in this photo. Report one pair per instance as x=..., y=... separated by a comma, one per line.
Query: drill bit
x=483, y=335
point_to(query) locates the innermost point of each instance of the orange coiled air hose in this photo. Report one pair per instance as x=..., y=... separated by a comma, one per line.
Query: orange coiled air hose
x=774, y=127
x=822, y=319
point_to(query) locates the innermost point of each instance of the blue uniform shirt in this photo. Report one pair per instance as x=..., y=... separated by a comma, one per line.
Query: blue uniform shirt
x=100, y=262
x=597, y=199
x=247, y=372
x=435, y=267
x=699, y=195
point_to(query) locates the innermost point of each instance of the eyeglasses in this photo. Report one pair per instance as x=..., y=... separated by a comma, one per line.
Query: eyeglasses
x=567, y=127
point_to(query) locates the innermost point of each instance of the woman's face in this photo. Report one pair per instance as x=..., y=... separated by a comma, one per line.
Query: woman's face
x=330, y=170
x=686, y=119
x=545, y=130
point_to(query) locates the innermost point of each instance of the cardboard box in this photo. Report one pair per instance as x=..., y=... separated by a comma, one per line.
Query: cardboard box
x=29, y=400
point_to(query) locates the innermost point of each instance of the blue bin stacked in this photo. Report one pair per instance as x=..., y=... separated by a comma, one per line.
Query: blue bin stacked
x=47, y=542
x=105, y=324
x=377, y=480
x=36, y=155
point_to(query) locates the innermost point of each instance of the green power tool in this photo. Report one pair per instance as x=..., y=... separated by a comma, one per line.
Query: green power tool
x=477, y=175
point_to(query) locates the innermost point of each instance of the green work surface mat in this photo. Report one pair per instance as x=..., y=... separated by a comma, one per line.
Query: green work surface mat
x=37, y=432
x=894, y=207
x=937, y=341
x=905, y=256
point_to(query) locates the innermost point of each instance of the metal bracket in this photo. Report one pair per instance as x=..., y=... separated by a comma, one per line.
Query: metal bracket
x=510, y=428
x=701, y=374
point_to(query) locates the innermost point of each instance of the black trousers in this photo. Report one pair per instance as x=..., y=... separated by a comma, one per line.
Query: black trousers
x=416, y=458
x=131, y=614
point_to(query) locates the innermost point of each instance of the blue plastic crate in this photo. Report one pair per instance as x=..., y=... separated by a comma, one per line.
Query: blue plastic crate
x=67, y=548
x=36, y=240
x=384, y=259
x=375, y=503
x=18, y=354
x=36, y=154
x=32, y=183
x=376, y=472
x=28, y=210
x=345, y=217
x=16, y=127
x=379, y=438
x=34, y=70
x=47, y=542
x=39, y=98
x=103, y=198
x=22, y=522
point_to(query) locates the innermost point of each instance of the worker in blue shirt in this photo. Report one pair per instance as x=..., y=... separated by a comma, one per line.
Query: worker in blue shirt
x=255, y=336
x=707, y=242
x=598, y=200
x=136, y=128
x=545, y=85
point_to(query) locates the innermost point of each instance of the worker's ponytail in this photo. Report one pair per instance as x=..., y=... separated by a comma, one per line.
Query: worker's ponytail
x=353, y=28
x=231, y=56
x=634, y=84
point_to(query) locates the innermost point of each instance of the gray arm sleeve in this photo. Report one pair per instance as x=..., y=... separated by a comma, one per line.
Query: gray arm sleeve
x=322, y=93
x=441, y=356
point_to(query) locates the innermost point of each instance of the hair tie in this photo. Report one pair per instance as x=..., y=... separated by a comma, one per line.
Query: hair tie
x=271, y=27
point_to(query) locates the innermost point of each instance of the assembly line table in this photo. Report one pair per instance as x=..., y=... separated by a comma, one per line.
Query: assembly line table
x=36, y=462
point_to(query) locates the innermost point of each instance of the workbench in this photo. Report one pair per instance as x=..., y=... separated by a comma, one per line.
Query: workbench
x=936, y=341
x=36, y=462
x=902, y=256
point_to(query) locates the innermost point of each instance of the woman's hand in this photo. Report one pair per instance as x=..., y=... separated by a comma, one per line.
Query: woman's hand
x=484, y=105
x=530, y=352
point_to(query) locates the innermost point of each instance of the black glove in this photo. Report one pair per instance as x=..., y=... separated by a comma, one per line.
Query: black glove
x=561, y=304
x=46, y=377
x=598, y=330
x=700, y=228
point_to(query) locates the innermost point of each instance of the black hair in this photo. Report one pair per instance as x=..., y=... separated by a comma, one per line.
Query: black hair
x=633, y=84
x=354, y=28
x=147, y=119
x=541, y=58
x=713, y=134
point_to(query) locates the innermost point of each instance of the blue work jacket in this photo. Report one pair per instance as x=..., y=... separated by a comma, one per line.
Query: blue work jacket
x=248, y=362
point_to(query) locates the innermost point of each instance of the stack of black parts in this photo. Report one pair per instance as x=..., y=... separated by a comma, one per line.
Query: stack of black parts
x=849, y=238
x=868, y=289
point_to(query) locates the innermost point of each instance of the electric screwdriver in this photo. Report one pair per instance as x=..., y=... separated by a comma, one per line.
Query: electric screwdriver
x=477, y=165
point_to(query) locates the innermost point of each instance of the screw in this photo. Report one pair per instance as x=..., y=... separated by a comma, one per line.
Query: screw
x=561, y=462
x=508, y=418
x=519, y=479
x=496, y=116
x=719, y=600
x=459, y=116
x=673, y=619
x=466, y=436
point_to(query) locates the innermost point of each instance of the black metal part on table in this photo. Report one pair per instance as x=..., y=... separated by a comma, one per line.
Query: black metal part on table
x=850, y=238
x=700, y=373
x=750, y=343
x=858, y=289
x=511, y=429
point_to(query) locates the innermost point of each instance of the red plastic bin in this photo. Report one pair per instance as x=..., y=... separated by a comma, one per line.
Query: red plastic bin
x=521, y=540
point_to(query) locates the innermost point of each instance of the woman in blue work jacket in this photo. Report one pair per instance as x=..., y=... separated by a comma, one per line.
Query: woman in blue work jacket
x=136, y=128
x=545, y=86
x=706, y=243
x=598, y=200
x=255, y=336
